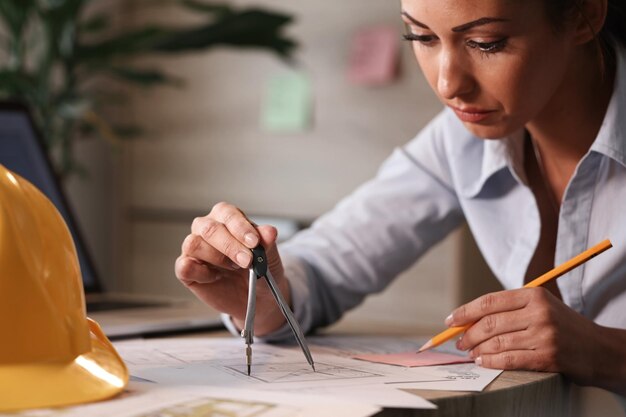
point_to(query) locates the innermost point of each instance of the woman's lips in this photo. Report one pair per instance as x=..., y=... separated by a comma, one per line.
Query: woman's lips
x=472, y=115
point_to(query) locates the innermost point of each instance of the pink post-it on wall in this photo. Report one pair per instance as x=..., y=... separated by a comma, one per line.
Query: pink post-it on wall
x=374, y=56
x=410, y=359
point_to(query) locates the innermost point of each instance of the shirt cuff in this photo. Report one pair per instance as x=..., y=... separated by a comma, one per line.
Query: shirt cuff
x=295, y=271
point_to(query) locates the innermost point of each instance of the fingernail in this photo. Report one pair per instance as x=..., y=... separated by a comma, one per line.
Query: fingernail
x=448, y=320
x=458, y=344
x=251, y=239
x=243, y=259
x=479, y=361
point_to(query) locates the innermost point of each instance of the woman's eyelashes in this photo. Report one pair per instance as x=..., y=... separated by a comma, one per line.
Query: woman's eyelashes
x=423, y=39
x=488, y=47
x=483, y=47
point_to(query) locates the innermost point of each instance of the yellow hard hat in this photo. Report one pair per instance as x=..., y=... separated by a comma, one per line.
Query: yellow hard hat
x=51, y=354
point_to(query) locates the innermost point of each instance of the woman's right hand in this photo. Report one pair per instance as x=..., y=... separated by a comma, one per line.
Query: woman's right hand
x=214, y=265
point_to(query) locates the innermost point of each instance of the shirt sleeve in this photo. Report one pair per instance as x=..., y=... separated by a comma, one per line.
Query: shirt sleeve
x=372, y=235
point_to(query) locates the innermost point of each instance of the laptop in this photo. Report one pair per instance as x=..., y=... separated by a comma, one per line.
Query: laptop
x=120, y=315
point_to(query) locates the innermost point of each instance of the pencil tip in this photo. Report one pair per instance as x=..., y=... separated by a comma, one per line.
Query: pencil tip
x=426, y=346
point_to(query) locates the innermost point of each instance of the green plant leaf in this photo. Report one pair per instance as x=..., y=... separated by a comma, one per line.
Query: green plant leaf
x=60, y=19
x=144, y=78
x=94, y=24
x=211, y=8
x=250, y=28
x=15, y=14
x=15, y=80
x=130, y=43
x=73, y=109
x=19, y=85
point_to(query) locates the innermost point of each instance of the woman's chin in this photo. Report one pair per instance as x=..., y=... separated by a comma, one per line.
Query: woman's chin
x=491, y=131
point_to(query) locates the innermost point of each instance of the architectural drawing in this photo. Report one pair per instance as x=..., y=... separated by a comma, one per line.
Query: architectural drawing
x=298, y=372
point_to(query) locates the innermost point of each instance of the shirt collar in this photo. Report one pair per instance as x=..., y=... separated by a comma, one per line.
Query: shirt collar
x=508, y=152
x=497, y=154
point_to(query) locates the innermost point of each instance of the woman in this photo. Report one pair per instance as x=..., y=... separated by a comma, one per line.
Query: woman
x=531, y=152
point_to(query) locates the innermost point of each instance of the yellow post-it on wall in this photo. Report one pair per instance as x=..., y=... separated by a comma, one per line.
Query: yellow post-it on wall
x=287, y=105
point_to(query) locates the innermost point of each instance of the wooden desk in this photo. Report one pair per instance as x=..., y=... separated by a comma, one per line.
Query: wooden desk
x=512, y=394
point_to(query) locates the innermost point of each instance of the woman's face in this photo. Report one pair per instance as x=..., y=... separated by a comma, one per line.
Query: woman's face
x=499, y=64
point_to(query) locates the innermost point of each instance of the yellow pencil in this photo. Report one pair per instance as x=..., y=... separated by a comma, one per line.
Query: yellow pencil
x=548, y=276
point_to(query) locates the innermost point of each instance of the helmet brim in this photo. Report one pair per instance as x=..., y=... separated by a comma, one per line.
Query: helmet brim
x=93, y=376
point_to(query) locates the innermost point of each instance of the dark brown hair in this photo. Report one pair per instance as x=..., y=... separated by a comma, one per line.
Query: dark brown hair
x=613, y=32
x=615, y=26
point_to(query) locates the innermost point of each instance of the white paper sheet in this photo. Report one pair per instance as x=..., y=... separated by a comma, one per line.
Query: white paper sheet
x=377, y=394
x=466, y=377
x=149, y=400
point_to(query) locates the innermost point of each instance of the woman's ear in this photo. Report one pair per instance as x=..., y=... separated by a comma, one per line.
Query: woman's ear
x=589, y=19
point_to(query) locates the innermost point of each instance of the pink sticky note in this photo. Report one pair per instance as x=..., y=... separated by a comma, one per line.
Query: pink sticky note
x=374, y=56
x=413, y=358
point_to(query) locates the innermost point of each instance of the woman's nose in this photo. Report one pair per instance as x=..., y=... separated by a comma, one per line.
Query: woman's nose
x=455, y=79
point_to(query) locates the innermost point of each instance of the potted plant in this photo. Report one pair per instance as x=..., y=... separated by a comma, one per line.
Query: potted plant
x=54, y=49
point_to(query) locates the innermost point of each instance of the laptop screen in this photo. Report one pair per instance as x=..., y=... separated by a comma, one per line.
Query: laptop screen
x=22, y=151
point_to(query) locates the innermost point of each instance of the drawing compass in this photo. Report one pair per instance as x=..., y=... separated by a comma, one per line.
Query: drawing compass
x=259, y=269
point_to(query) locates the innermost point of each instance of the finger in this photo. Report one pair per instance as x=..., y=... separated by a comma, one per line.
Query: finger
x=237, y=223
x=268, y=235
x=491, y=326
x=219, y=237
x=502, y=343
x=489, y=304
x=195, y=246
x=190, y=271
x=513, y=359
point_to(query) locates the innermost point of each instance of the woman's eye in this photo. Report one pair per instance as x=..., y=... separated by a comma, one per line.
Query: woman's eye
x=423, y=39
x=488, y=47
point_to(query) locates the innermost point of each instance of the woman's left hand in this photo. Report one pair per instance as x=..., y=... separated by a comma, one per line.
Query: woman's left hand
x=528, y=329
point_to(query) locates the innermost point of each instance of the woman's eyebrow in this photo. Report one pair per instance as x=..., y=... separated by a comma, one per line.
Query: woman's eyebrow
x=414, y=21
x=478, y=22
x=461, y=28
